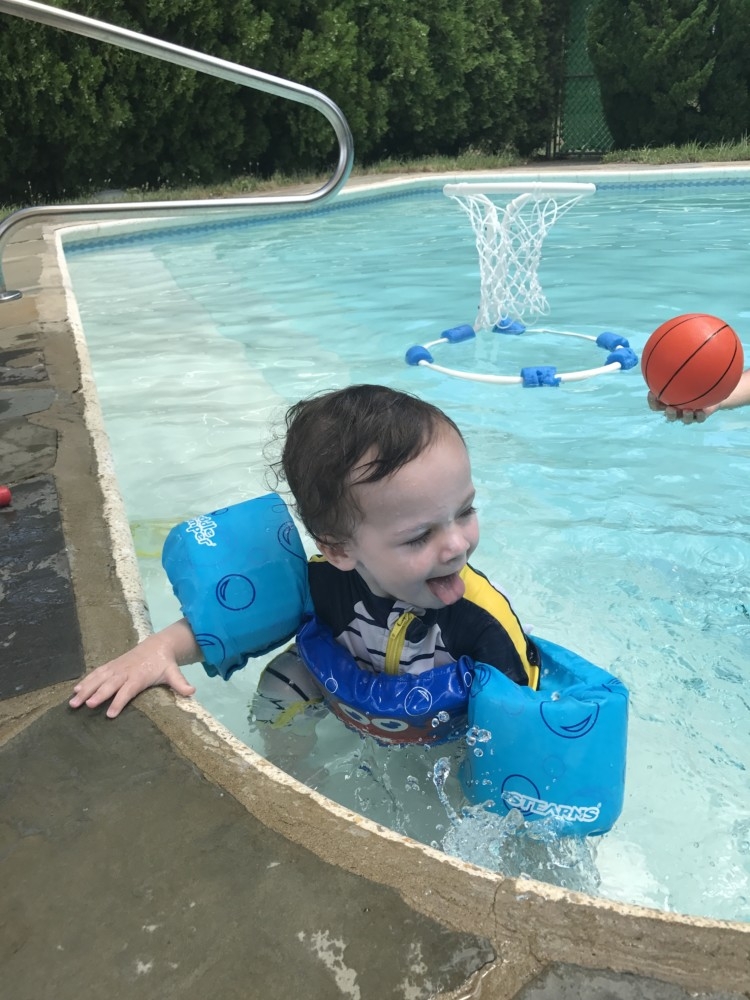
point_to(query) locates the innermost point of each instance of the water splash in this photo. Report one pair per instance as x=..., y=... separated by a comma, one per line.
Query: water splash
x=476, y=735
x=514, y=846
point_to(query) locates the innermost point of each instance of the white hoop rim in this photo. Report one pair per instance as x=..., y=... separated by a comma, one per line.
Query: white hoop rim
x=536, y=188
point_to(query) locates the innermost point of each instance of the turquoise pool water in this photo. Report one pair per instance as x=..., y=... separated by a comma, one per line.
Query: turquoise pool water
x=617, y=534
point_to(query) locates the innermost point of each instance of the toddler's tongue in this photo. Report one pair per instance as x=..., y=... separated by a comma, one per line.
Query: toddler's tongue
x=447, y=589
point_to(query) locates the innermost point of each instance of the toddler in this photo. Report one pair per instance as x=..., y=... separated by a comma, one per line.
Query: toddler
x=382, y=482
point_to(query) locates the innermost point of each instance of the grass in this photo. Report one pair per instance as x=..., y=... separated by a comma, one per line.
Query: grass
x=248, y=184
x=693, y=152
x=472, y=159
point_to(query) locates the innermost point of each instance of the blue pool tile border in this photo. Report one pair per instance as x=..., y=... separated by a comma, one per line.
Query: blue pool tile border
x=423, y=187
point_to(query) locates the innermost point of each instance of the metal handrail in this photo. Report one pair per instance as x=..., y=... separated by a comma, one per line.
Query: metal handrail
x=167, y=52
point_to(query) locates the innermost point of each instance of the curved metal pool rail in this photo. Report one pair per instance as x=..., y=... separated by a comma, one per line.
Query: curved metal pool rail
x=167, y=52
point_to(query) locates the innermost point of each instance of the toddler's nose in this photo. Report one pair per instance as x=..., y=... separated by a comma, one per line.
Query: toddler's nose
x=456, y=543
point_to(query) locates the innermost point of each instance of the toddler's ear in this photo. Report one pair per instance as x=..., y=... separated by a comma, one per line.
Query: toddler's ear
x=337, y=554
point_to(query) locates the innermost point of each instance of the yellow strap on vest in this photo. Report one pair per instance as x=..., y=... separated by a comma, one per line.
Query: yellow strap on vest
x=293, y=710
x=480, y=591
x=396, y=641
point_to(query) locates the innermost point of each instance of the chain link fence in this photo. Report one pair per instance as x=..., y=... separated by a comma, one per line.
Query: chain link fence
x=582, y=127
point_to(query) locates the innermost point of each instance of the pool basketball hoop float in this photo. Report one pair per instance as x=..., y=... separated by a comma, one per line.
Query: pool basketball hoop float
x=690, y=362
x=510, y=221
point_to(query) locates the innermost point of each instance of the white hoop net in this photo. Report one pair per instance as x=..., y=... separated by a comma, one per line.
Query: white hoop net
x=509, y=238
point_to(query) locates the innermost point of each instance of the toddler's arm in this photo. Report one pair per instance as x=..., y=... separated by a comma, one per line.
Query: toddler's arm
x=154, y=661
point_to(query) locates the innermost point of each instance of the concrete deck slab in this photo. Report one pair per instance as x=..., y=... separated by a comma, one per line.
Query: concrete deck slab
x=40, y=638
x=127, y=874
x=570, y=982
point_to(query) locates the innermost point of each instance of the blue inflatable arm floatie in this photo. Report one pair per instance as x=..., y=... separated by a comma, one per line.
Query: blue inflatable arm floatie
x=556, y=753
x=240, y=574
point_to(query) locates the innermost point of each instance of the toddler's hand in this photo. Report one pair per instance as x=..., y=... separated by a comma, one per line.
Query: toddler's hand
x=147, y=665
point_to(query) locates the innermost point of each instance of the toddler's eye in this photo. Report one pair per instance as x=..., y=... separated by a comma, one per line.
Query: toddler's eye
x=469, y=512
x=421, y=540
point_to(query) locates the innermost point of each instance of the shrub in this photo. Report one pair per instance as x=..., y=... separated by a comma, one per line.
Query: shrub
x=725, y=103
x=77, y=114
x=653, y=60
x=413, y=79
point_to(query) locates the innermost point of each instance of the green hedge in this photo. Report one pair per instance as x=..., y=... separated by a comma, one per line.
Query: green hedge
x=413, y=79
x=672, y=71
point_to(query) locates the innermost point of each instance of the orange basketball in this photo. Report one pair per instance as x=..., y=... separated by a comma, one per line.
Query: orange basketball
x=692, y=361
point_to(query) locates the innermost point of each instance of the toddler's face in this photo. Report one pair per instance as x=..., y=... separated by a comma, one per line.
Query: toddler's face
x=418, y=528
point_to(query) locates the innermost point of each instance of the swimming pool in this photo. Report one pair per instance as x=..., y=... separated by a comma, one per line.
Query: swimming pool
x=615, y=533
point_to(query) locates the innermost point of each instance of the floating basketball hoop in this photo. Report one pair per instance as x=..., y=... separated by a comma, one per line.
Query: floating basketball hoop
x=509, y=236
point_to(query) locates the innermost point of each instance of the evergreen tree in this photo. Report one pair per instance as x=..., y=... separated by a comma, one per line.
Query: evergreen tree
x=412, y=78
x=77, y=114
x=653, y=60
x=725, y=105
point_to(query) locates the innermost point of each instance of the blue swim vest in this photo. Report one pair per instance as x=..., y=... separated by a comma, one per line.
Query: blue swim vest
x=240, y=574
x=407, y=708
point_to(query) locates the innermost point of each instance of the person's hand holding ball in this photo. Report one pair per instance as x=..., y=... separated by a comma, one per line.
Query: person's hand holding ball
x=691, y=364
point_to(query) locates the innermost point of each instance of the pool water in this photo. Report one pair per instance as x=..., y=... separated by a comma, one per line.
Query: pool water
x=615, y=533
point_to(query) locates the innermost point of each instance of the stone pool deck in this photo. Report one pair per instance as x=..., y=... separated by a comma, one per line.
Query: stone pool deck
x=155, y=857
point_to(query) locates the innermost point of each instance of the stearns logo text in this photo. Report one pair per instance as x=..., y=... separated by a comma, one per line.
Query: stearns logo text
x=527, y=804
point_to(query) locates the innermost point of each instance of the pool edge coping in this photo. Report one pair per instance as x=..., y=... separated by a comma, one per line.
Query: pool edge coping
x=76, y=234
